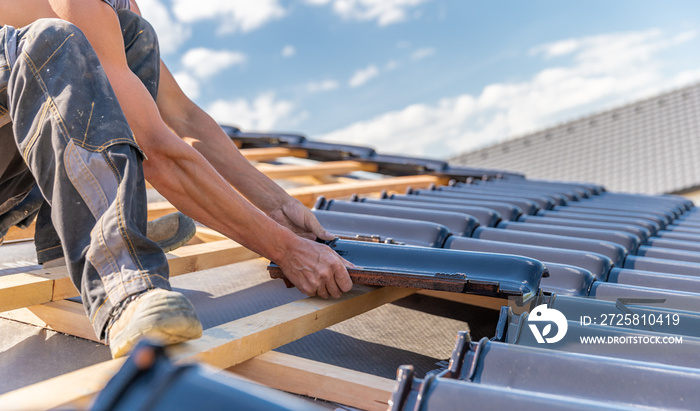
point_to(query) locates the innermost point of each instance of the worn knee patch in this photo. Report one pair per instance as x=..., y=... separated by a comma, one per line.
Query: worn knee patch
x=57, y=87
x=50, y=35
x=111, y=253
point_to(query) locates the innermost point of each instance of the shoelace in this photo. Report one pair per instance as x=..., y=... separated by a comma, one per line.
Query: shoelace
x=117, y=310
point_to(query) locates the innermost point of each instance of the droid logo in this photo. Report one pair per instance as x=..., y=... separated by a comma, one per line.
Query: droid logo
x=542, y=314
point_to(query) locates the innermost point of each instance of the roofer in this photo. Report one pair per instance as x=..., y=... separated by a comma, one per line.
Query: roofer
x=88, y=111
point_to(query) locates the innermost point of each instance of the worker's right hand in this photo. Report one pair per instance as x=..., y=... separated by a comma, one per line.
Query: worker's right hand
x=315, y=269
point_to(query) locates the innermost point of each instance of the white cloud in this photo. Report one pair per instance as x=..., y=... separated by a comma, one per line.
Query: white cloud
x=604, y=52
x=391, y=65
x=204, y=63
x=422, y=53
x=263, y=113
x=289, y=51
x=320, y=86
x=200, y=64
x=556, y=49
x=686, y=77
x=234, y=15
x=171, y=33
x=599, y=71
x=385, y=12
x=363, y=75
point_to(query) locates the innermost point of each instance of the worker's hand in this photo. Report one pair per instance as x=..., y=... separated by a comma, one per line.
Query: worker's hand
x=295, y=216
x=315, y=269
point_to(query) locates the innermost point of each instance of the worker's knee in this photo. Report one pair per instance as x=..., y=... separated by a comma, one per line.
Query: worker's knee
x=46, y=38
x=53, y=30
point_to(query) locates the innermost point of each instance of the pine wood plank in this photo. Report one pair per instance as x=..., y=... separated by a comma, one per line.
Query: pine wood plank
x=204, y=234
x=492, y=303
x=19, y=234
x=318, y=380
x=240, y=340
x=200, y=257
x=316, y=170
x=308, y=195
x=277, y=370
x=271, y=153
x=223, y=346
x=64, y=316
x=27, y=234
x=24, y=289
x=302, y=181
x=207, y=235
x=46, y=285
x=66, y=389
x=159, y=208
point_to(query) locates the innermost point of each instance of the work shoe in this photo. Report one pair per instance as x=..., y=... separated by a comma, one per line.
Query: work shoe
x=161, y=315
x=171, y=231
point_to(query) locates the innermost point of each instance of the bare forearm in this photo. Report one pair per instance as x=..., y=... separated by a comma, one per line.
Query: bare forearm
x=185, y=178
x=199, y=130
x=181, y=174
x=208, y=138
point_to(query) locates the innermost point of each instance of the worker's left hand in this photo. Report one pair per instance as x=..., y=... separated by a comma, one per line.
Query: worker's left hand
x=295, y=216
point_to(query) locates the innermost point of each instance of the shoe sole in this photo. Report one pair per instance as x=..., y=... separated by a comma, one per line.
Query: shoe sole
x=185, y=232
x=165, y=317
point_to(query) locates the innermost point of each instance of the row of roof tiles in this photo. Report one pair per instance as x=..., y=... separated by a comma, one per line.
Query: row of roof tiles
x=599, y=258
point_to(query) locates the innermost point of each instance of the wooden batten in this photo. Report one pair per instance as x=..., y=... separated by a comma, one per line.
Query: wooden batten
x=21, y=234
x=207, y=235
x=242, y=346
x=46, y=285
x=318, y=380
x=315, y=170
x=223, y=346
x=308, y=195
x=319, y=171
x=271, y=153
x=483, y=301
x=64, y=316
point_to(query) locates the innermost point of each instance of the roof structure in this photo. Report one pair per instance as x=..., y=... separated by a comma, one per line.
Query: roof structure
x=649, y=146
x=488, y=255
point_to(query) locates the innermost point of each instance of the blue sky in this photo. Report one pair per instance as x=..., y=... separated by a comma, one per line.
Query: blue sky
x=432, y=78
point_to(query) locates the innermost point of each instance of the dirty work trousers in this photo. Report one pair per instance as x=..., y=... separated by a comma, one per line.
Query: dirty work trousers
x=59, y=108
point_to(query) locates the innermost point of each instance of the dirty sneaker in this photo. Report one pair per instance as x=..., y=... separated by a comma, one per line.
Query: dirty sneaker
x=171, y=231
x=164, y=316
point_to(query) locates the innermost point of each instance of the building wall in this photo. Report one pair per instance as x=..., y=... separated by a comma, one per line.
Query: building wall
x=650, y=146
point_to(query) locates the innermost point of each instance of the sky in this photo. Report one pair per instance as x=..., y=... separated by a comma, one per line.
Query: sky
x=431, y=78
